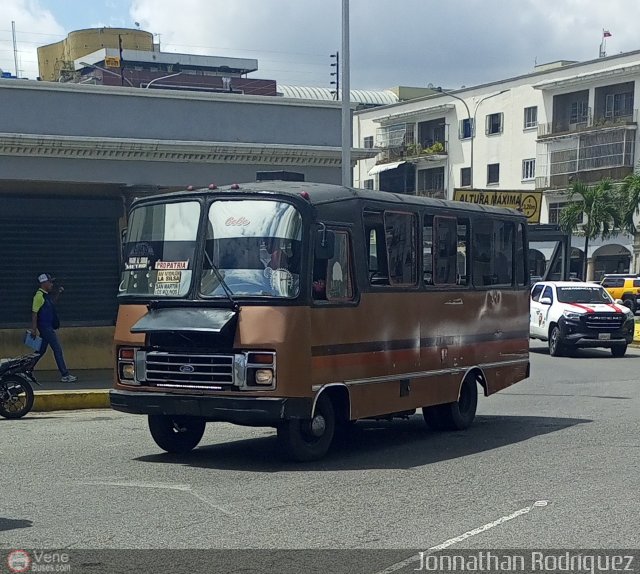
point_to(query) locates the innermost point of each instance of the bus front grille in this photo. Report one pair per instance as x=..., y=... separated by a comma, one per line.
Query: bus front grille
x=182, y=370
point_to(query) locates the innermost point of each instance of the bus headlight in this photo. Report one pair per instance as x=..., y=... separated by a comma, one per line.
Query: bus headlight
x=264, y=377
x=127, y=371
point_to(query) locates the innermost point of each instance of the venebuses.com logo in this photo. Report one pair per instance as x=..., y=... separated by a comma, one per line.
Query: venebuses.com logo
x=18, y=561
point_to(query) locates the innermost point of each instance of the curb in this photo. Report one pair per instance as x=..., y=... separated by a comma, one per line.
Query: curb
x=46, y=401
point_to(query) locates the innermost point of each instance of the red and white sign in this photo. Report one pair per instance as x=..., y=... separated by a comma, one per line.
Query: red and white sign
x=18, y=561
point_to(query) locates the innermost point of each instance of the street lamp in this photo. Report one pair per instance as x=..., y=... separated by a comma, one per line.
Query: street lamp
x=471, y=128
x=162, y=78
x=87, y=65
x=472, y=122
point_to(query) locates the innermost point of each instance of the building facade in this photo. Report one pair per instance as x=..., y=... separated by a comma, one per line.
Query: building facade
x=518, y=142
x=74, y=156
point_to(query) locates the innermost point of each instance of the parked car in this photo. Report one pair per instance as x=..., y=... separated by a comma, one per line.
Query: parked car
x=624, y=287
x=570, y=314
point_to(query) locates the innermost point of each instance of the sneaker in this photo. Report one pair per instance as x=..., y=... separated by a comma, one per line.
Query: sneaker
x=69, y=379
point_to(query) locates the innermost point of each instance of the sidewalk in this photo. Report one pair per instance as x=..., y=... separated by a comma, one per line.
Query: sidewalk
x=90, y=391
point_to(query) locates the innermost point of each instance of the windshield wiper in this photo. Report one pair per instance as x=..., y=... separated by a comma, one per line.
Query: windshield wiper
x=220, y=277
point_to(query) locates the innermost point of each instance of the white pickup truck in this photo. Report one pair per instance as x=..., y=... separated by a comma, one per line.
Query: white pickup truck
x=571, y=314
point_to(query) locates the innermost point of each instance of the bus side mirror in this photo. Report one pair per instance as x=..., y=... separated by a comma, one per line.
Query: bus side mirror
x=325, y=244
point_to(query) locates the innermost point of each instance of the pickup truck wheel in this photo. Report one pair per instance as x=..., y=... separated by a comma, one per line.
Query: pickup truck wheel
x=619, y=350
x=556, y=347
x=631, y=304
x=177, y=434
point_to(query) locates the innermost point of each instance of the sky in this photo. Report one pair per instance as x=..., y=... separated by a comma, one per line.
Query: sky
x=448, y=43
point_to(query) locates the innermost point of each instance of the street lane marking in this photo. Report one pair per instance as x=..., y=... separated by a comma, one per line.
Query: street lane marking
x=416, y=558
x=161, y=486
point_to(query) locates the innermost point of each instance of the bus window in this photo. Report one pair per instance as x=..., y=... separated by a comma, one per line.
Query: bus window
x=462, y=276
x=337, y=271
x=376, y=252
x=521, y=271
x=446, y=252
x=427, y=250
x=400, y=237
x=493, y=243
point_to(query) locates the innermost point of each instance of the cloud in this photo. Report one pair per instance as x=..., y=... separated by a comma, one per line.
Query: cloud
x=35, y=26
x=407, y=42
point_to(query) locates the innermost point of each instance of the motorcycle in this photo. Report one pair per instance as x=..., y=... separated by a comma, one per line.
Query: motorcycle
x=16, y=385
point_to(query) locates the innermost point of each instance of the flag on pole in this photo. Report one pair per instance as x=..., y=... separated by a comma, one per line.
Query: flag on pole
x=606, y=34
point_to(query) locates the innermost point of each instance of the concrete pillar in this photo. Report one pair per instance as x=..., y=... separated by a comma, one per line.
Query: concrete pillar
x=590, y=269
x=635, y=260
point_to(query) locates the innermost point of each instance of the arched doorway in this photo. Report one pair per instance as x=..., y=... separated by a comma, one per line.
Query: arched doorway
x=537, y=263
x=576, y=264
x=610, y=258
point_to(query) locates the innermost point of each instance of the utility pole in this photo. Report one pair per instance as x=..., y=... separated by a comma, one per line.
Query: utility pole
x=347, y=125
x=336, y=82
x=121, y=60
x=15, y=46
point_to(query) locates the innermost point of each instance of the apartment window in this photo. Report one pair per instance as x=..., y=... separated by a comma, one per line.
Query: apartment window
x=466, y=129
x=493, y=173
x=619, y=105
x=368, y=184
x=494, y=123
x=579, y=112
x=556, y=208
x=528, y=169
x=465, y=177
x=430, y=180
x=368, y=142
x=530, y=117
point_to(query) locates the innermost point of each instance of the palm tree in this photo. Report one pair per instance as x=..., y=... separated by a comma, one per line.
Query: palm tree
x=630, y=206
x=600, y=205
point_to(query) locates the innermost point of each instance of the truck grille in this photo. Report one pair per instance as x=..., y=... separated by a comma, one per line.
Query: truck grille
x=185, y=371
x=604, y=322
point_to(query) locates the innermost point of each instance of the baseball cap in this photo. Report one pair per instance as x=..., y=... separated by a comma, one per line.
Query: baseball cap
x=43, y=277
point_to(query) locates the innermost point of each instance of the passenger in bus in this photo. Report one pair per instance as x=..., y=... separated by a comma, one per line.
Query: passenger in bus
x=319, y=284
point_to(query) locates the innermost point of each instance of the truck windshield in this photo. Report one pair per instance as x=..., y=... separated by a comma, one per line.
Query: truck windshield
x=159, y=250
x=256, y=245
x=583, y=295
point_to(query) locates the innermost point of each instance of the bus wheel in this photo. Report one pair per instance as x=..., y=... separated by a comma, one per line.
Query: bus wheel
x=457, y=415
x=306, y=440
x=177, y=434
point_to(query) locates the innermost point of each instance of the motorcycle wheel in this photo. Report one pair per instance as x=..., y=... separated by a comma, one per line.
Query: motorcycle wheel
x=16, y=397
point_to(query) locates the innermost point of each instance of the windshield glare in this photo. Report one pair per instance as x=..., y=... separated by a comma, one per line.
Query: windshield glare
x=256, y=245
x=583, y=295
x=159, y=250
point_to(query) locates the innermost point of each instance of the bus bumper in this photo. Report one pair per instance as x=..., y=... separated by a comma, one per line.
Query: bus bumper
x=250, y=411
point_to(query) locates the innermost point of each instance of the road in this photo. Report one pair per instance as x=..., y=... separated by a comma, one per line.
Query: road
x=550, y=463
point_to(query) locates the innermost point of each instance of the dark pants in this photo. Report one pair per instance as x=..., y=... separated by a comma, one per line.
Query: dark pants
x=50, y=339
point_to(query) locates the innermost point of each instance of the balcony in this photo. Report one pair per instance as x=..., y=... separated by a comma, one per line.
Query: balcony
x=587, y=157
x=587, y=123
x=433, y=193
x=414, y=152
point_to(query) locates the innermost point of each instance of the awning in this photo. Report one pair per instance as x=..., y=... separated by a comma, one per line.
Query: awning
x=385, y=166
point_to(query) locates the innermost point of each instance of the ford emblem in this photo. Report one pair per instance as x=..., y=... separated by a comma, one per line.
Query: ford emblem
x=187, y=368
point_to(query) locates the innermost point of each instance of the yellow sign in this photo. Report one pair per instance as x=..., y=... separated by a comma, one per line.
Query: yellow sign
x=528, y=202
x=112, y=62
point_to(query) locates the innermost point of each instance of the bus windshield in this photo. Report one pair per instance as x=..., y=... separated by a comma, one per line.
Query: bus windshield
x=256, y=246
x=160, y=249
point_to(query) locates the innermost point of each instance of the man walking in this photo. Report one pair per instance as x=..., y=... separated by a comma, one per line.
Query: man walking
x=45, y=320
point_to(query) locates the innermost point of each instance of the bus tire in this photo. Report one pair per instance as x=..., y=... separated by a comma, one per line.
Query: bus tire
x=434, y=417
x=176, y=434
x=306, y=440
x=457, y=415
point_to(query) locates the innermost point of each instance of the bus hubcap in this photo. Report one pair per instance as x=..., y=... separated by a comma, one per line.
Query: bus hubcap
x=318, y=426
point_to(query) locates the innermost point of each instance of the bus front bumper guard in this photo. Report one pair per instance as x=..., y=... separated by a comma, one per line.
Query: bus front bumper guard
x=250, y=411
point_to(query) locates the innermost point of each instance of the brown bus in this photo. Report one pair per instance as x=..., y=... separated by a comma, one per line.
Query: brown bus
x=309, y=306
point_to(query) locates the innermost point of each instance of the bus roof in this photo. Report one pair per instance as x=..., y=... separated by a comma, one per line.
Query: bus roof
x=324, y=193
